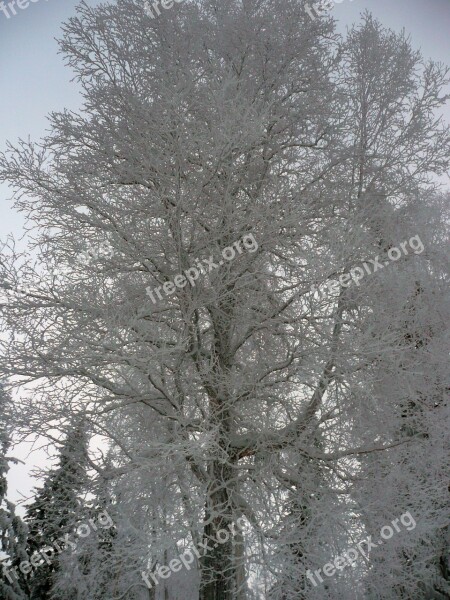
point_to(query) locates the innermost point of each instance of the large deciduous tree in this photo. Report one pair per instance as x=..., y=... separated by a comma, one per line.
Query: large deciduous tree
x=249, y=391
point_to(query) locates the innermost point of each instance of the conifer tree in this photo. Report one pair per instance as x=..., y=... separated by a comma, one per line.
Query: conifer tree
x=55, y=509
x=13, y=532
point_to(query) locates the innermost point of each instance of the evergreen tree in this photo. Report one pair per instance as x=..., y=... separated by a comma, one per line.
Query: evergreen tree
x=104, y=564
x=13, y=533
x=54, y=511
x=91, y=572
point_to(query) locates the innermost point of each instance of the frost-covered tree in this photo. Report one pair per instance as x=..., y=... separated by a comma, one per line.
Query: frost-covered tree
x=13, y=532
x=281, y=159
x=104, y=564
x=412, y=476
x=389, y=96
x=55, y=509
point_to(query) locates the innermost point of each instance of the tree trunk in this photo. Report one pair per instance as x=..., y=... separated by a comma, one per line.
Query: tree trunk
x=218, y=571
x=239, y=553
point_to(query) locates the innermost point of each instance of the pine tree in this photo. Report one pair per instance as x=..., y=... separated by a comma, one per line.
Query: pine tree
x=55, y=508
x=103, y=565
x=91, y=572
x=13, y=532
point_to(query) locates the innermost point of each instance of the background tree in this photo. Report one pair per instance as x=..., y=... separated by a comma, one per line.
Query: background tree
x=13, y=532
x=55, y=510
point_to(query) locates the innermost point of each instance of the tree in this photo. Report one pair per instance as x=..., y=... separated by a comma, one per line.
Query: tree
x=414, y=475
x=103, y=565
x=55, y=509
x=13, y=532
x=269, y=152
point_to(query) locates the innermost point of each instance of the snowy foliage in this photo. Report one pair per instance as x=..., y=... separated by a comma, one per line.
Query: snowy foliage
x=317, y=417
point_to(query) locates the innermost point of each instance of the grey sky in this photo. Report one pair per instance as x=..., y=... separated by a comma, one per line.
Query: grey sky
x=34, y=82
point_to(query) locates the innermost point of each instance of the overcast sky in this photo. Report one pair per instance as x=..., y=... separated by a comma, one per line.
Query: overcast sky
x=34, y=81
